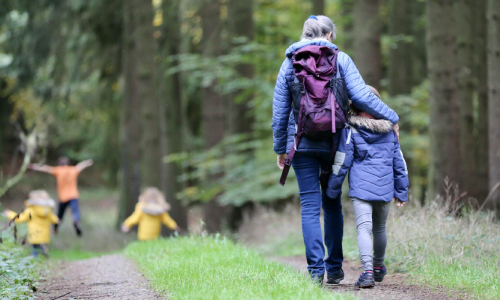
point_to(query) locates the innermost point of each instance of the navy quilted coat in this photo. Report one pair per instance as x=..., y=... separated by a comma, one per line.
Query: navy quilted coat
x=283, y=121
x=370, y=151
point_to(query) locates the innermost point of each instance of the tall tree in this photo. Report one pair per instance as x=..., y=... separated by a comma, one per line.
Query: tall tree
x=464, y=12
x=445, y=111
x=400, y=56
x=130, y=131
x=367, y=33
x=481, y=78
x=146, y=49
x=318, y=7
x=213, y=104
x=240, y=24
x=494, y=95
x=171, y=107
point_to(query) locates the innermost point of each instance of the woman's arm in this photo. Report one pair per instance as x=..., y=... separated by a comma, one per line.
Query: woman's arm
x=360, y=94
x=282, y=105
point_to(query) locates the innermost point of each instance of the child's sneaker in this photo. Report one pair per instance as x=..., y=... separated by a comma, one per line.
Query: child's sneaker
x=365, y=280
x=78, y=229
x=379, y=273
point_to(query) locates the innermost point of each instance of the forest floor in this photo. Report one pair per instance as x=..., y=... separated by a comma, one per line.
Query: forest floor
x=392, y=288
x=106, y=277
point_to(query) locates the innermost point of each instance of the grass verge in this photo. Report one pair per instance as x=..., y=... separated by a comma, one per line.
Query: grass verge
x=74, y=254
x=215, y=268
x=440, y=250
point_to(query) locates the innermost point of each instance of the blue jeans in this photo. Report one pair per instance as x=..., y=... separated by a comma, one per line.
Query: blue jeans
x=73, y=203
x=307, y=169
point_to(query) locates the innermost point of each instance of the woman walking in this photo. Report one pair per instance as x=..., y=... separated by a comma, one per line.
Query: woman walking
x=311, y=156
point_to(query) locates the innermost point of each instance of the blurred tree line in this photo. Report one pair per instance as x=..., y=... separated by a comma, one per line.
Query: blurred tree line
x=178, y=94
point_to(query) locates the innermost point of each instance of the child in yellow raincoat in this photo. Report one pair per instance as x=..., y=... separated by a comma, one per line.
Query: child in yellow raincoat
x=38, y=214
x=150, y=213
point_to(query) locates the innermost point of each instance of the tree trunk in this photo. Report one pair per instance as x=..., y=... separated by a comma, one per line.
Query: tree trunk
x=147, y=87
x=240, y=24
x=481, y=77
x=494, y=96
x=318, y=7
x=367, y=33
x=171, y=108
x=444, y=105
x=465, y=84
x=347, y=8
x=400, y=56
x=130, y=119
x=213, y=103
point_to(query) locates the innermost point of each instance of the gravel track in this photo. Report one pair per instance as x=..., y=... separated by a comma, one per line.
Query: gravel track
x=105, y=277
x=392, y=288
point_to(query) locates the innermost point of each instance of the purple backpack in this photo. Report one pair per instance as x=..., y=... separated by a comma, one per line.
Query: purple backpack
x=319, y=100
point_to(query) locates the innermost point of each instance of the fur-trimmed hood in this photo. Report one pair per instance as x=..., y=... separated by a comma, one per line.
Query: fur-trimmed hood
x=152, y=209
x=374, y=125
x=41, y=202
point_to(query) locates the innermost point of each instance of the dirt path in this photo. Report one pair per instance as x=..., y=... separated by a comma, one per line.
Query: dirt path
x=393, y=286
x=105, y=277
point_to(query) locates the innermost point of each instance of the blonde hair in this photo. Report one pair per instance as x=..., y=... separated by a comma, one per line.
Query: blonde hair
x=40, y=198
x=39, y=194
x=154, y=197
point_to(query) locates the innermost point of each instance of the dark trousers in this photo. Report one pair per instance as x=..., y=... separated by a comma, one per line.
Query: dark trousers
x=75, y=209
x=307, y=170
x=36, y=249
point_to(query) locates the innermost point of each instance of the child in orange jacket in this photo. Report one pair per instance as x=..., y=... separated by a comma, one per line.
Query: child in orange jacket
x=39, y=215
x=150, y=213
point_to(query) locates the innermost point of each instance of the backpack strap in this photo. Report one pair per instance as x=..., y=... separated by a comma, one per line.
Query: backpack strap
x=295, y=145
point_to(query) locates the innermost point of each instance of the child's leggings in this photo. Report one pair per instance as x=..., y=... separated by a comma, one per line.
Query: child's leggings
x=371, y=217
x=36, y=249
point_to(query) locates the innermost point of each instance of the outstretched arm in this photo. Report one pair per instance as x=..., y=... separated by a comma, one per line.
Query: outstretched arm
x=41, y=168
x=84, y=164
x=360, y=94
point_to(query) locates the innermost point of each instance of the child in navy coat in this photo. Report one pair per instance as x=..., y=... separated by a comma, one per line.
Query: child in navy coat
x=370, y=151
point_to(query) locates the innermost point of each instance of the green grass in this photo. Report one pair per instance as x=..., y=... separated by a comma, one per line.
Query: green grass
x=73, y=254
x=460, y=254
x=215, y=268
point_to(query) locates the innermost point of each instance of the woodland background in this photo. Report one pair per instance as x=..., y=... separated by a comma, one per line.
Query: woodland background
x=178, y=94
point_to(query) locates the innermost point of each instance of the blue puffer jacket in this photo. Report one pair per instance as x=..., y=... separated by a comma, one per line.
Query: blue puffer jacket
x=283, y=121
x=370, y=151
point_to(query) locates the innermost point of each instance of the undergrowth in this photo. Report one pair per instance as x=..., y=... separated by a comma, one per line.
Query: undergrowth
x=440, y=249
x=216, y=268
x=17, y=269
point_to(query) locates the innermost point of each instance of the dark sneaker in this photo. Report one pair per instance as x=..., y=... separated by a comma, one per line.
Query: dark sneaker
x=379, y=273
x=78, y=229
x=317, y=279
x=335, y=278
x=56, y=227
x=365, y=280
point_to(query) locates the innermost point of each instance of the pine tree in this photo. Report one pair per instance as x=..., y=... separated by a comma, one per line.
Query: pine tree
x=213, y=103
x=464, y=14
x=494, y=96
x=444, y=106
x=367, y=33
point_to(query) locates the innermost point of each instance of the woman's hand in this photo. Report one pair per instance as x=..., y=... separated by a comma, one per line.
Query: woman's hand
x=398, y=202
x=281, y=160
x=396, y=131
